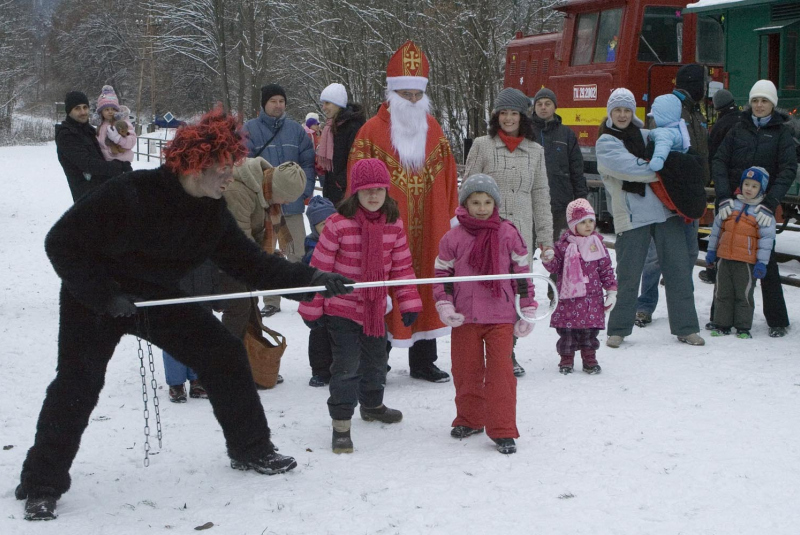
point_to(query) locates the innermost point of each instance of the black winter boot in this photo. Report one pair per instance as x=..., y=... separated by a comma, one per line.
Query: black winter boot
x=341, y=442
x=505, y=446
x=381, y=414
x=269, y=464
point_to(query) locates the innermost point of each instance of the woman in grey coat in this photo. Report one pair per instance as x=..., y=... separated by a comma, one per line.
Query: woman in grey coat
x=516, y=162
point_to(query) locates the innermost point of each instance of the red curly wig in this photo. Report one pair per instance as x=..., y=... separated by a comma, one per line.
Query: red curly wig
x=216, y=139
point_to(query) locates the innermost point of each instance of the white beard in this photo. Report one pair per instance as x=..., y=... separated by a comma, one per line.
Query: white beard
x=409, y=129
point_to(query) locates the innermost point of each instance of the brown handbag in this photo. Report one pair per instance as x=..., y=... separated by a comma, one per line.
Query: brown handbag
x=264, y=352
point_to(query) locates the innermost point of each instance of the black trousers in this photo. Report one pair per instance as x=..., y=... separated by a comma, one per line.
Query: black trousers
x=422, y=354
x=85, y=345
x=320, y=356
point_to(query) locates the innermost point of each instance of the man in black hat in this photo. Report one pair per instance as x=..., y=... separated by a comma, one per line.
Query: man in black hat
x=78, y=150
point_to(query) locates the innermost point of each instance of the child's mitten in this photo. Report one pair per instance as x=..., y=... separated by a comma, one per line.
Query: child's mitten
x=759, y=270
x=611, y=300
x=448, y=315
x=711, y=258
x=656, y=164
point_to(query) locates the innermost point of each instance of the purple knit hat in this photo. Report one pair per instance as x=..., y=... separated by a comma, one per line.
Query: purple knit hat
x=107, y=99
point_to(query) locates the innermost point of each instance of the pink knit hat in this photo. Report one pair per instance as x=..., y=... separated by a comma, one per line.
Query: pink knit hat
x=369, y=173
x=107, y=99
x=577, y=211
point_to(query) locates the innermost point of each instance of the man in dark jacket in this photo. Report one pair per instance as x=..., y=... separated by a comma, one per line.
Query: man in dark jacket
x=562, y=156
x=134, y=238
x=278, y=139
x=690, y=88
x=78, y=150
x=762, y=138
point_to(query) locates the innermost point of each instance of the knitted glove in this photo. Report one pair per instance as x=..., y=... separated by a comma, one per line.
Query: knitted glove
x=724, y=210
x=112, y=134
x=656, y=164
x=711, y=258
x=523, y=328
x=764, y=216
x=548, y=254
x=409, y=318
x=611, y=300
x=448, y=315
x=759, y=270
x=121, y=306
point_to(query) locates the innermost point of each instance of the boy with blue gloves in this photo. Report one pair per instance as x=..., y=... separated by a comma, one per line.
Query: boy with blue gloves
x=740, y=247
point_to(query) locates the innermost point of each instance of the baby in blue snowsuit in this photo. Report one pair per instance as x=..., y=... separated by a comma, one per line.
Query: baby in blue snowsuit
x=670, y=132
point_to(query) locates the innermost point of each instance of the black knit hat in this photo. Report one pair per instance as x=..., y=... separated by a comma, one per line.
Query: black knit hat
x=269, y=91
x=722, y=99
x=692, y=79
x=74, y=98
x=545, y=93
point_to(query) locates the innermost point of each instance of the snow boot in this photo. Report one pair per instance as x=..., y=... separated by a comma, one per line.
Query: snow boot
x=269, y=464
x=519, y=371
x=505, y=446
x=777, y=332
x=341, y=442
x=462, y=431
x=721, y=331
x=711, y=326
x=744, y=334
x=432, y=373
x=566, y=364
x=177, y=394
x=381, y=414
x=196, y=390
x=693, y=339
x=708, y=275
x=269, y=311
x=614, y=341
x=41, y=508
x=590, y=364
x=318, y=381
x=643, y=319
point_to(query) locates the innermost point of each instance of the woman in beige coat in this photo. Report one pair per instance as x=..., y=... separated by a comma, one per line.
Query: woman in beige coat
x=516, y=162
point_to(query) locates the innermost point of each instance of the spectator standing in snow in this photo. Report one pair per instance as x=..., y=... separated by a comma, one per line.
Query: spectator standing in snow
x=739, y=263
x=320, y=356
x=137, y=236
x=365, y=241
x=518, y=166
x=584, y=270
x=278, y=139
x=425, y=185
x=763, y=138
x=115, y=133
x=344, y=119
x=639, y=217
x=690, y=88
x=79, y=151
x=483, y=314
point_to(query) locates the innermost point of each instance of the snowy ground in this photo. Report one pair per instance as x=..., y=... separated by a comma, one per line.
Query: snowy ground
x=668, y=439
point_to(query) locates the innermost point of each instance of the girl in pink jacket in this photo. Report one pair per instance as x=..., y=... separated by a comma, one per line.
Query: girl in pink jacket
x=364, y=241
x=584, y=271
x=115, y=134
x=484, y=312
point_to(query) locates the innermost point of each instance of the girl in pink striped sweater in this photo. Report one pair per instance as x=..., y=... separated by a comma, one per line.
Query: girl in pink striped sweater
x=364, y=241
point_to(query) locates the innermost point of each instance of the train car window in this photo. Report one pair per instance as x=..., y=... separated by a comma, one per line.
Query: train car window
x=584, y=39
x=605, y=50
x=710, y=40
x=659, y=40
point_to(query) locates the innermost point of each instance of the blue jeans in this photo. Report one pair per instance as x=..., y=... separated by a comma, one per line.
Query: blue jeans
x=651, y=274
x=175, y=372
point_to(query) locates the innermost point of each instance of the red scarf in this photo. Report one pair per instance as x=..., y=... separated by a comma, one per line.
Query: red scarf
x=511, y=142
x=485, y=254
x=325, y=147
x=372, y=225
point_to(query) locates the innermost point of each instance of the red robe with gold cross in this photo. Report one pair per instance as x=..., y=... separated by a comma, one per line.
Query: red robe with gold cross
x=427, y=199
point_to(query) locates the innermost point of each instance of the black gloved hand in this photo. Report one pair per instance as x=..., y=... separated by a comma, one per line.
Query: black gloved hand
x=409, y=318
x=314, y=324
x=334, y=283
x=121, y=306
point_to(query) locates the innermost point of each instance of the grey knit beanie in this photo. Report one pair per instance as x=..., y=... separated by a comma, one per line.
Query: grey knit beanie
x=511, y=99
x=722, y=99
x=479, y=183
x=545, y=93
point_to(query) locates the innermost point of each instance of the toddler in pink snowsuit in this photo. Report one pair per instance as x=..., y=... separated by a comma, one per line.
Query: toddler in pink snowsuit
x=483, y=313
x=114, y=134
x=584, y=270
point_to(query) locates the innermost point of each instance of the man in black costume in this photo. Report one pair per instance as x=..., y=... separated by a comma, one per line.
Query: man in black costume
x=133, y=238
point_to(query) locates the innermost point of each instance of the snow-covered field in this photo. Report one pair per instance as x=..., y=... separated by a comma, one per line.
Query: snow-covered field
x=669, y=439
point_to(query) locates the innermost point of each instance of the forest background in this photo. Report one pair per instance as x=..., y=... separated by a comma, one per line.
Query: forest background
x=183, y=56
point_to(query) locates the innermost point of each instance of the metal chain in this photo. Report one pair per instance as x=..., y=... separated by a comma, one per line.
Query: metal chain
x=153, y=383
x=143, y=373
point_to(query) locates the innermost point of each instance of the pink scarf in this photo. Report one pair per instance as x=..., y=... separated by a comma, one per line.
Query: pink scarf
x=372, y=225
x=586, y=248
x=325, y=147
x=485, y=254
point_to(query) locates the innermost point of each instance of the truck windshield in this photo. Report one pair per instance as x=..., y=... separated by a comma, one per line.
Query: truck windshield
x=710, y=40
x=660, y=39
